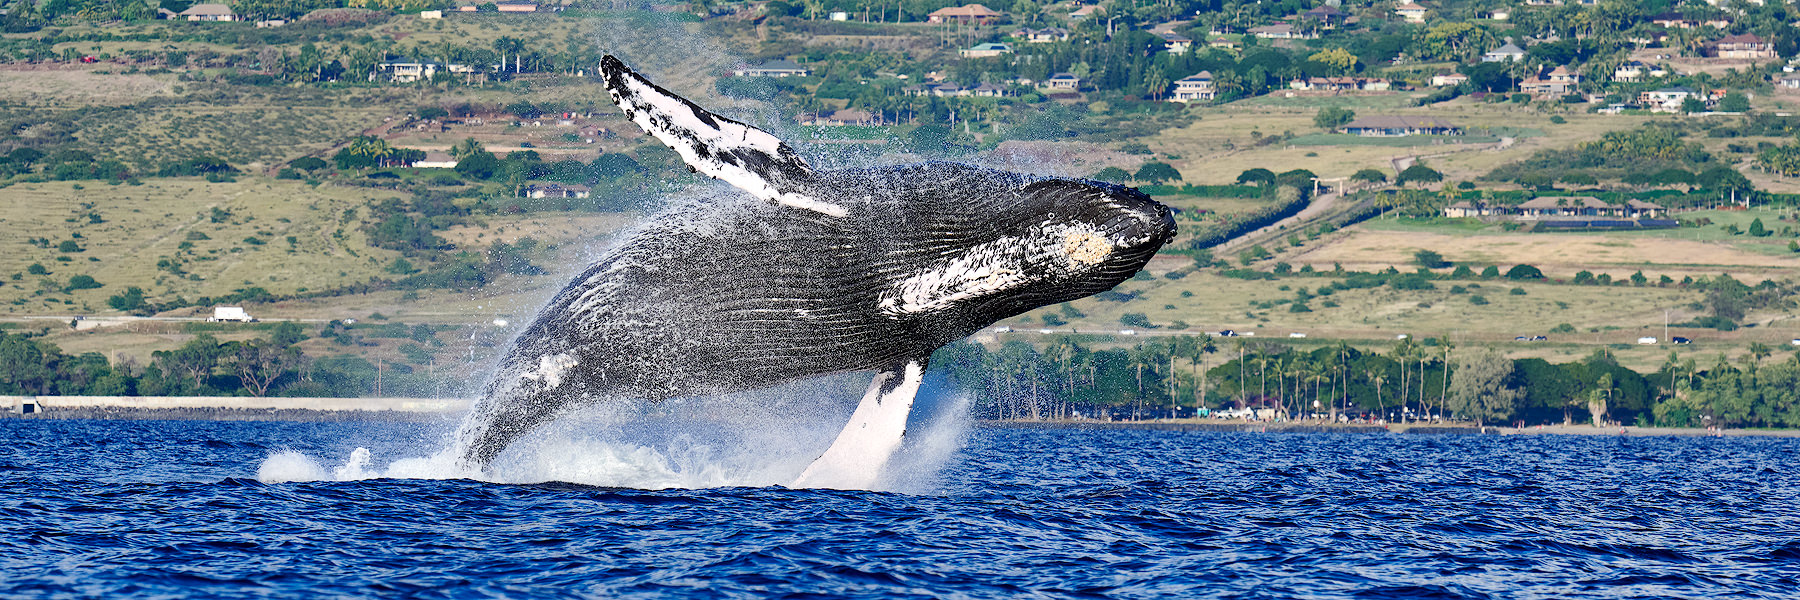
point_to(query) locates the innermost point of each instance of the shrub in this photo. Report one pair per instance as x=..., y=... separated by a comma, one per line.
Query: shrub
x=1135, y=320
x=1517, y=291
x=1430, y=259
x=82, y=282
x=1478, y=300
x=1563, y=328
x=69, y=246
x=1522, y=272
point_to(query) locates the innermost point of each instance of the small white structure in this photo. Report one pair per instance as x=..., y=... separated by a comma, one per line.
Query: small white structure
x=234, y=314
x=1647, y=341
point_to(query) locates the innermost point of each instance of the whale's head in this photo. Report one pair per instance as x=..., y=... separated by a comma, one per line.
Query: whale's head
x=1007, y=244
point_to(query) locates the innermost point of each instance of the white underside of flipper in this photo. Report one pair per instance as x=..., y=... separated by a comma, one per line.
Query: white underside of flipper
x=856, y=458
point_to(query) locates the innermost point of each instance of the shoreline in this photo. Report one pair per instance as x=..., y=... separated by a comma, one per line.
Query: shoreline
x=235, y=408
x=1396, y=429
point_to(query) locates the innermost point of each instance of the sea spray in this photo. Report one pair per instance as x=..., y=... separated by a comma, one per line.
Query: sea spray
x=760, y=438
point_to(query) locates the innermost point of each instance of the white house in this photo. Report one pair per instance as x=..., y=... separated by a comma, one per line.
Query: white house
x=1668, y=99
x=985, y=50
x=1413, y=13
x=208, y=12
x=1448, y=79
x=1194, y=88
x=773, y=68
x=1508, y=52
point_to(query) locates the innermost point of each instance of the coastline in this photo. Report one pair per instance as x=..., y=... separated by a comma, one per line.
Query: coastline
x=235, y=408
x=1238, y=425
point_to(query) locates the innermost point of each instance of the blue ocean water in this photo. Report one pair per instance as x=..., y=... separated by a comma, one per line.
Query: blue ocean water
x=166, y=509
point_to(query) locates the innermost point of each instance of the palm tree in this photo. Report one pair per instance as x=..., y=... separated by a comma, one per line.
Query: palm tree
x=1759, y=351
x=509, y=45
x=466, y=148
x=1377, y=378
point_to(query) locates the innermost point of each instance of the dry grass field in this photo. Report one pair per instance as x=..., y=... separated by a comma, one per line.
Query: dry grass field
x=305, y=239
x=1205, y=157
x=1559, y=255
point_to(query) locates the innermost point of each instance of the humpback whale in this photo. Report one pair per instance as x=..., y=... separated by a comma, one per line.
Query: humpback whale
x=824, y=272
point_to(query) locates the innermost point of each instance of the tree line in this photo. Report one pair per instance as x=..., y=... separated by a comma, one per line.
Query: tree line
x=270, y=365
x=1074, y=376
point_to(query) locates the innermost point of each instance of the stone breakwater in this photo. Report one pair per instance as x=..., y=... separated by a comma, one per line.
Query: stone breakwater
x=231, y=408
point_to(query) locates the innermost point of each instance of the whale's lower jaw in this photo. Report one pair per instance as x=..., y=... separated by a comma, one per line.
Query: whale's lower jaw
x=855, y=459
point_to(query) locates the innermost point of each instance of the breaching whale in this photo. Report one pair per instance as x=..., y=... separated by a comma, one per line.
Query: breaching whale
x=834, y=271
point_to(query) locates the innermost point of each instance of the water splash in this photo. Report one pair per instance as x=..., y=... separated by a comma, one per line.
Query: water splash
x=753, y=439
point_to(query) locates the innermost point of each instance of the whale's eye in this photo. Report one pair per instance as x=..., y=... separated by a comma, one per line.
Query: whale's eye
x=1086, y=247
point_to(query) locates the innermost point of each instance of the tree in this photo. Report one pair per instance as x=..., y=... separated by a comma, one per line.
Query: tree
x=1113, y=174
x=1257, y=176
x=1430, y=259
x=1693, y=104
x=1157, y=172
x=1522, y=272
x=1757, y=229
x=1734, y=102
x=1370, y=176
x=1419, y=173
x=1332, y=117
x=259, y=364
x=1481, y=388
x=1339, y=60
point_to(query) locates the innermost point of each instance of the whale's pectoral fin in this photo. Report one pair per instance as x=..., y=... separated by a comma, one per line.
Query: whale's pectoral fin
x=855, y=459
x=751, y=159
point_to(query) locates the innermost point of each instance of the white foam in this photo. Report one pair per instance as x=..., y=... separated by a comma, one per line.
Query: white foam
x=756, y=439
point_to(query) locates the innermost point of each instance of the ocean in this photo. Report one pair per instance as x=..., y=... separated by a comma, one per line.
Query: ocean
x=198, y=509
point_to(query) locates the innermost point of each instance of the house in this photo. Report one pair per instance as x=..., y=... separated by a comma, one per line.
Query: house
x=1338, y=84
x=1085, y=12
x=208, y=12
x=969, y=14
x=989, y=49
x=1063, y=81
x=773, y=68
x=1196, y=87
x=1043, y=36
x=1558, y=82
x=1499, y=14
x=948, y=90
x=555, y=191
x=1630, y=71
x=1674, y=21
x=1325, y=14
x=406, y=70
x=1464, y=209
x=1413, y=13
x=1447, y=79
x=268, y=23
x=427, y=15
x=516, y=6
x=1177, y=43
x=1668, y=99
x=841, y=118
x=1558, y=206
x=435, y=160
x=1639, y=209
x=1566, y=206
x=1392, y=126
x=1743, y=46
x=1283, y=31
x=1508, y=52
x=989, y=90
x=1790, y=81
x=1221, y=42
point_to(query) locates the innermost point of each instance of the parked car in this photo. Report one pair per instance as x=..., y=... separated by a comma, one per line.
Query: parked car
x=1296, y=335
x=1680, y=340
x=1127, y=332
x=1647, y=341
x=1226, y=333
